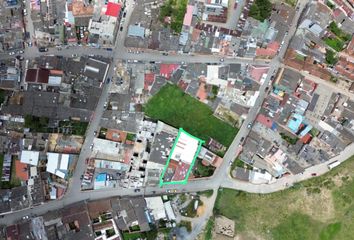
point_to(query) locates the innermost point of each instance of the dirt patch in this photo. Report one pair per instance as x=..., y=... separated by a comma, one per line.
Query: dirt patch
x=309, y=204
x=339, y=179
x=200, y=211
x=248, y=236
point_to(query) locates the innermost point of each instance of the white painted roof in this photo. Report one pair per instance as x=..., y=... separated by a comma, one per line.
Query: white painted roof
x=185, y=149
x=53, y=162
x=30, y=157
x=155, y=205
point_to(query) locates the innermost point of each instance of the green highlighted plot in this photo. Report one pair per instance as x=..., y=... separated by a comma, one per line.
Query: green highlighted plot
x=184, y=151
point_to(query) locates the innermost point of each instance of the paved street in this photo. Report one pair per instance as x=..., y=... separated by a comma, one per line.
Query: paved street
x=220, y=177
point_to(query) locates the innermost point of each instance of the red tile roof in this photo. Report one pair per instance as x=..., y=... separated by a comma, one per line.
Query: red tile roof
x=113, y=9
x=306, y=139
x=264, y=120
x=21, y=170
x=149, y=79
x=167, y=69
x=269, y=51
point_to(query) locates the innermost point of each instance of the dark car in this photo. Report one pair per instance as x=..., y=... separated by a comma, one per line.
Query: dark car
x=43, y=49
x=243, y=138
x=165, y=54
x=121, y=29
x=124, y=14
x=137, y=190
x=313, y=174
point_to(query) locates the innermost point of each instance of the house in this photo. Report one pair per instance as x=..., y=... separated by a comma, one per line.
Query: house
x=58, y=164
x=29, y=157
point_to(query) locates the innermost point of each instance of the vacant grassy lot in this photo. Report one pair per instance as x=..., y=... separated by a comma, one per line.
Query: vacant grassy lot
x=335, y=43
x=178, y=109
x=321, y=208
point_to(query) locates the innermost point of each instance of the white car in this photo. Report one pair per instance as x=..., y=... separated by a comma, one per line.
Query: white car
x=91, y=146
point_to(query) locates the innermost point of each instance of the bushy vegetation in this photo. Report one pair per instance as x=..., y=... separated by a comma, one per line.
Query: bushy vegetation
x=202, y=171
x=333, y=27
x=335, y=43
x=36, y=124
x=260, y=10
x=288, y=139
x=175, y=9
x=331, y=57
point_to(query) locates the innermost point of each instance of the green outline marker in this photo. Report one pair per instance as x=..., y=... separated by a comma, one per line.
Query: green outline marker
x=185, y=181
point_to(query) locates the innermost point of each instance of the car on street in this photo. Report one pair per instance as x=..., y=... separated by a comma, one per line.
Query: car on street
x=243, y=138
x=168, y=190
x=121, y=28
x=74, y=55
x=105, y=105
x=313, y=174
x=230, y=163
x=249, y=126
x=91, y=146
x=222, y=60
x=19, y=57
x=20, y=52
x=82, y=177
x=43, y=49
x=165, y=54
x=124, y=14
x=11, y=53
x=108, y=80
x=137, y=190
x=94, y=133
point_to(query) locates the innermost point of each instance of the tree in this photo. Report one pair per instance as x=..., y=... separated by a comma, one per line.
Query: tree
x=254, y=12
x=330, y=57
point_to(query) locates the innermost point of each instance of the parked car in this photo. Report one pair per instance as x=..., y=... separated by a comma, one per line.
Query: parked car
x=94, y=133
x=249, y=126
x=243, y=138
x=313, y=174
x=43, y=49
x=137, y=190
x=91, y=146
x=222, y=59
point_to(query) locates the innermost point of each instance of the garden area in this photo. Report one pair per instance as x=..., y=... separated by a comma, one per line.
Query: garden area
x=320, y=208
x=331, y=57
x=180, y=110
x=36, y=124
x=260, y=10
x=200, y=170
x=239, y=163
x=73, y=127
x=175, y=9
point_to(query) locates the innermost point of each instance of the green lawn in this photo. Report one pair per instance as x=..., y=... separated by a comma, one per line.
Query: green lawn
x=76, y=127
x=176, y=108
x=209, y=229
x=321, y=208
x=335, y=43
x=333, y=27
x=260, y=9
x=36, y=124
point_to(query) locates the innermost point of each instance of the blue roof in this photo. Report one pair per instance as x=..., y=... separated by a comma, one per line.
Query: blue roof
x=101, y=177
x=136, y=31
x=295, y=122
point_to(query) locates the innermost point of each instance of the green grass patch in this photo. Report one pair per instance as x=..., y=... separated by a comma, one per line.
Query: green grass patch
x=313, y=209
x=333, y=27
x=239, y=163
x=131, y=137
x=300, y=57
x=36, y=124
x=330, y=4
x=206, y=193
x=330, y=231
x=288, y=139
x=209, y=229
x=291, y=2
x=202, y=171
x=335, y=43
x=2, y=96
x=260, y=10
x=176, y=108
x=186, y=224
x=175, y=9
x=331, y=57
x=74, y=127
